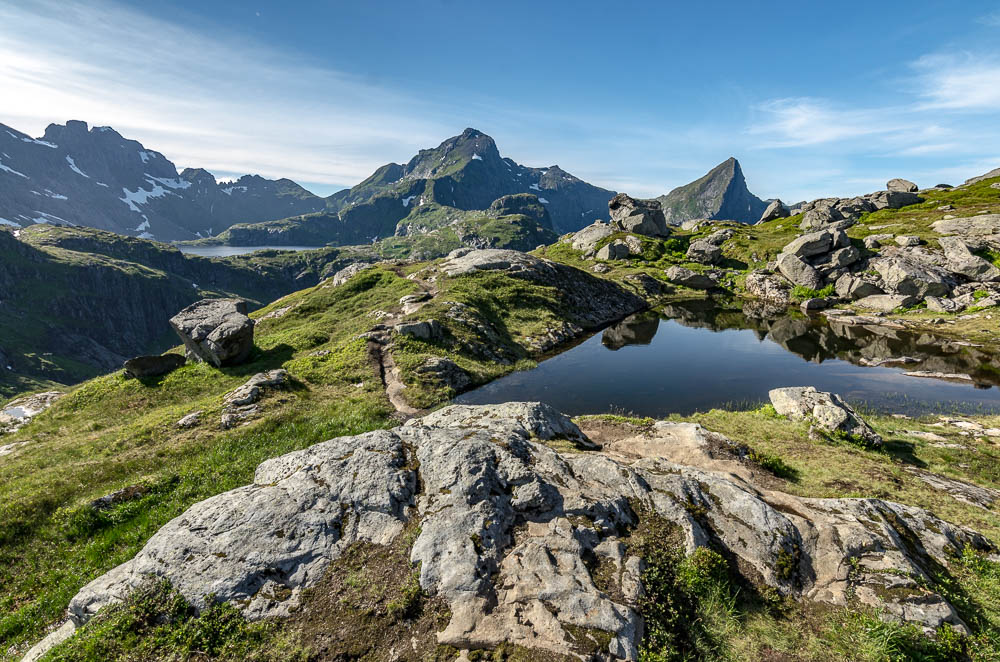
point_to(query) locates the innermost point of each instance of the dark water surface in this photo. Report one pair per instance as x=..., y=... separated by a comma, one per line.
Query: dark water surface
x=693, y=358
x=227, y=251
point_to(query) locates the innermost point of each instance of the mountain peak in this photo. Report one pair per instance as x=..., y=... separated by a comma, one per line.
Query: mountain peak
x=720, y=194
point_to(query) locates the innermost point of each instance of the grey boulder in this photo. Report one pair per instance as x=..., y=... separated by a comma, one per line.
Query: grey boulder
x=216, y=331
x=901, y=185
x=688, y=278
x=826, y=409
x=638, y=216
x=799, y=271
x=768, y=287
x=776, y=209
x=887, y=303
x=704, y=252
x=616, y=250
x=962, y=261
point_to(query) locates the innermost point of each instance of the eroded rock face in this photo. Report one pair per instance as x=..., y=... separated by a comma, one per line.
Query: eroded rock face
x=215, y=331
x=509, y=528
x=960, y=260
x=769, y=287
x=827, y=409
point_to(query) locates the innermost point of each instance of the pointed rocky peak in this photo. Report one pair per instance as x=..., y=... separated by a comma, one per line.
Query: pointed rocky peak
x=720, y=194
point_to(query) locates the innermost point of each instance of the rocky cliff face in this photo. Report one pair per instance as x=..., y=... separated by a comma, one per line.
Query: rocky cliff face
x=721, y=194
x=97, y=178
x=463, y=173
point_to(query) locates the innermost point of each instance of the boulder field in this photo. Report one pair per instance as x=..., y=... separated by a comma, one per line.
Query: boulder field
x=526, y=526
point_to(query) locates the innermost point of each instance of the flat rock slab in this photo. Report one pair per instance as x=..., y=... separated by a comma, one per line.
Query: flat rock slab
x=216, y=331
x=509, y=528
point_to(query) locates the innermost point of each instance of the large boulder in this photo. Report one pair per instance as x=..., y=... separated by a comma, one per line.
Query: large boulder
x=852, y=286
x=615, y=250
x=893, y=199
x=152, y=366
x=904, y=274
x=688, y=278
x=510, y=531
x=776, y=209
x=817, y=243
x=799, y=271
x=638, y=216
x=768, y=287
x=983, y=225
x=587, y=239
x=901, y=186
x=960, y=260
x=216, y=331
x=704, y=252
x=826, y=409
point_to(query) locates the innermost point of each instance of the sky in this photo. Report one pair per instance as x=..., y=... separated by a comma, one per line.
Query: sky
x=814, y=99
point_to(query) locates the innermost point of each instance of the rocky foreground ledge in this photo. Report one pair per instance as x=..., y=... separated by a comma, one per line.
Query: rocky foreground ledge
x=525, y=530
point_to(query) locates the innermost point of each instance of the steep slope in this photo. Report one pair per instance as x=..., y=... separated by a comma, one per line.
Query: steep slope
x=464, y=173
x=97, y=178
x=78, y=301
x=721, y=194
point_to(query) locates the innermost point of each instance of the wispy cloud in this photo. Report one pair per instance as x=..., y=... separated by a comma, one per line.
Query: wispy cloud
x=800, y=122
x=960, y=82
x=190, y=96
x=992, y=20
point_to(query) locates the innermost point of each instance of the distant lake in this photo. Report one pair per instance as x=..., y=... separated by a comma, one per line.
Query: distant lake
x=228, y=251
x=691, y=359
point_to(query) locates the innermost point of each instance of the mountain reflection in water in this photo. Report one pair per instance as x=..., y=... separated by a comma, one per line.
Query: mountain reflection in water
x=698, y=355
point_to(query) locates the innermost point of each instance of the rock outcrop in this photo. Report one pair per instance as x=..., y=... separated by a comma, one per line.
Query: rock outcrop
x=826, y=409
x=511, y=530
x=775, y=209
x=688, y=278
x=216, y=331
x=637, y=216
x=18, y=412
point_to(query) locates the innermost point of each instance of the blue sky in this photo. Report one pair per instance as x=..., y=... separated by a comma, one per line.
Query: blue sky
x=813, y=98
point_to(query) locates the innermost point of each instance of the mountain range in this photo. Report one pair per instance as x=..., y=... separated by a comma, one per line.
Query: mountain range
x=94, y=177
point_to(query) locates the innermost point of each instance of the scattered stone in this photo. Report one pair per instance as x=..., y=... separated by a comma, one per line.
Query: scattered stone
x=152, y=366
x=646, y=283
x=216, y=331
x=983, y=225
x=414, y=298
x=816, y=243
x=428, y=330
x=776, y=209
x=874, y=241
x=130, y=493
x=250, y=391
x=601, y=269
x=902, y=274
x=901, y=185
x=638, y=216
x=974, y=495
x=348, y=272
x=704, y=252
x=190, y=420
x=906, y=240
x=942, y=305
x=827, y=409
x=275, y=314
x=688, y=278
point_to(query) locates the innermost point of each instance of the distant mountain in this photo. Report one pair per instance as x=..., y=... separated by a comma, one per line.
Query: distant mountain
x=97, y=178
x=721, y=194
x=464, y=173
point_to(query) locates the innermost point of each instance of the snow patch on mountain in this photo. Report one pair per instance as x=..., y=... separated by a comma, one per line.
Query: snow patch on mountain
x=407, y=200
x=45, y=217
x=4, y=221
x=74, y=168
x=476, y=157
x=543, y=201
x=229, y=189
x=4, y=168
